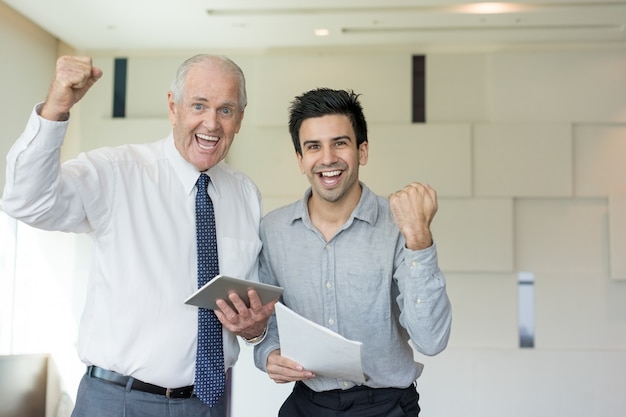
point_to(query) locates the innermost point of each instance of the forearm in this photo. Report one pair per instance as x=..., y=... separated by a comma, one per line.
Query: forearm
x=37, y=190
x=426, y=311
x=33, y=168
x=269, y=344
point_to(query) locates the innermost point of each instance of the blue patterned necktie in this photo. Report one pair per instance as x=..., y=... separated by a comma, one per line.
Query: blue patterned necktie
x=210, y=378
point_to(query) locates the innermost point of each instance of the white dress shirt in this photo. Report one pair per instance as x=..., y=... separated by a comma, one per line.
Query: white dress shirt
x=137, y=202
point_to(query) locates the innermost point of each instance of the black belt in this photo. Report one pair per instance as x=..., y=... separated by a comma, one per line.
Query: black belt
x=121, y=380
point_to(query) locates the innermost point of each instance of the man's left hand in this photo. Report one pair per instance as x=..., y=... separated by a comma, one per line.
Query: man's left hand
x=244, y=321
x=413, y=209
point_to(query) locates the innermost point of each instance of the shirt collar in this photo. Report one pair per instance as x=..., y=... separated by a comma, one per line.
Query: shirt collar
x=186, y=172
x=366, y=210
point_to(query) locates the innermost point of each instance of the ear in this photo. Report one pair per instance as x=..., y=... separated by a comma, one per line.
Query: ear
x=171, y=106
x=240, y=120
x=363, y=153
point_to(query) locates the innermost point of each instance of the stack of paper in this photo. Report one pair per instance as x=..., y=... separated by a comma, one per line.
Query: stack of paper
x=317, y=348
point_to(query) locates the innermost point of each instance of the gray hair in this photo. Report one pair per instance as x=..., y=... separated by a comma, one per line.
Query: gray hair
x=178, y=85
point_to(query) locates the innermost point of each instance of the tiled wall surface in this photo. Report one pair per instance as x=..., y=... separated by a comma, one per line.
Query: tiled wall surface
x=526, y=148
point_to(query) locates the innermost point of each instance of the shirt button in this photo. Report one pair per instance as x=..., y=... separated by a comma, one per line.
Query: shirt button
x=345, y=384
x=328, y=284
x=419, y=301
x=414, y=263
x=331, y=321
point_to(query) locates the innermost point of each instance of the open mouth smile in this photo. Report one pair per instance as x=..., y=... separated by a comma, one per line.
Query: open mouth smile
x=206, y=142
x=330, y=178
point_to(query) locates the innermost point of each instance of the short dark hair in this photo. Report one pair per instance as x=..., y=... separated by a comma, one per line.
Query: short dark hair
x=325, y=101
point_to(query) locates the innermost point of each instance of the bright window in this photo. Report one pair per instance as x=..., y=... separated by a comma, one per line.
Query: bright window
x=42, y=278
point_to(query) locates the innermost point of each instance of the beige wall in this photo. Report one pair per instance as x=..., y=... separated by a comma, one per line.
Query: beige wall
x=525, y=147
x=27, y=54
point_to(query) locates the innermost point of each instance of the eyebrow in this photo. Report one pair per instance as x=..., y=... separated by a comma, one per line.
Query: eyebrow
x=335, y=139
x=206, y=100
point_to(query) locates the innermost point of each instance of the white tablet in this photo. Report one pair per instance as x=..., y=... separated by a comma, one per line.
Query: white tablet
x=221, y=286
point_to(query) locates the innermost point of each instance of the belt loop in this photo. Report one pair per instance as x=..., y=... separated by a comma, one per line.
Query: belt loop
x=129, y=384
x=306, y=390
x=370, y=396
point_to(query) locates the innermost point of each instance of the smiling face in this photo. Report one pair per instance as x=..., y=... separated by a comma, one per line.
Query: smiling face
x=330, y=158
x=207, y=116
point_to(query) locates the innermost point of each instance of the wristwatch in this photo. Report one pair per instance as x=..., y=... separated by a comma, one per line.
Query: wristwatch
x=257, y=339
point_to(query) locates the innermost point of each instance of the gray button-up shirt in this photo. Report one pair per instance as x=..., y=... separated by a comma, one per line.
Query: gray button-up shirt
x=363, y=284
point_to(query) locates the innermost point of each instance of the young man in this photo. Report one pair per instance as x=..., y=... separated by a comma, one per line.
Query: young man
x=363, y=266
x=140, y=203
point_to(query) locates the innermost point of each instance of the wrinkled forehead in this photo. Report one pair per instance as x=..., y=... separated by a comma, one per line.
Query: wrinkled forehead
x=204, y=81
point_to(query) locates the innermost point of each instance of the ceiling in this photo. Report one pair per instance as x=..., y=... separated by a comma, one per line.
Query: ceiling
x=91, y=25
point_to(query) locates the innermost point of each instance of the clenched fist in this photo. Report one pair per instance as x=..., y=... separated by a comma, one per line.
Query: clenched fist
x=414, y=208
x=73, y=77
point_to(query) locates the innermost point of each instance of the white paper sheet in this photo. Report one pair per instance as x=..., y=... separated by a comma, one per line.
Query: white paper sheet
x=317, y=348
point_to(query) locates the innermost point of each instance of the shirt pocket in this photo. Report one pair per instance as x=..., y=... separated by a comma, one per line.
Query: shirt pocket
x=238, y=256
x=369, y=293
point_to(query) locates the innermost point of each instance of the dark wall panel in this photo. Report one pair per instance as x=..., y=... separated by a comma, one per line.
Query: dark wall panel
x=419, y=89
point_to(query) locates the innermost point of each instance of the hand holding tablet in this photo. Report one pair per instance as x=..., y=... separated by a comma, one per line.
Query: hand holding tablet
x=221, y=286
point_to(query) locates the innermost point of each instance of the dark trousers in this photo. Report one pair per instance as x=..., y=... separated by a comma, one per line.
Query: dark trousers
x=357, y=402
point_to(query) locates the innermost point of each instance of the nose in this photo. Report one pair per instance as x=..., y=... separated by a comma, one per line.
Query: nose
x=329, y=155
x=210, y=120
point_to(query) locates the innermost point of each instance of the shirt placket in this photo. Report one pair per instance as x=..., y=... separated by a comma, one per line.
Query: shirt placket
x=329, y=285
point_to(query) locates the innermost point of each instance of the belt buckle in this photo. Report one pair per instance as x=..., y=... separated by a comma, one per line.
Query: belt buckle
x=168, y=393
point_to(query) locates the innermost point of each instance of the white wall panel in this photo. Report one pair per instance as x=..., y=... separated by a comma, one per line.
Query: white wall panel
x=474, y=234
x=267, y=155
x=28, y=55
x=484, y=310
x=383, y=80
x=577, y=310
x=599, y=160
x=561, y=235
x=115, y=132
x=438, y=155
x=559, y=86
x=539, y=375
x=525, y=99
x=617, y=236
x=457, y=88
x=446, y=386
x=522, y=160
x=254, y=393
x=149, y=78
x=523, y=382
x=147, y=83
